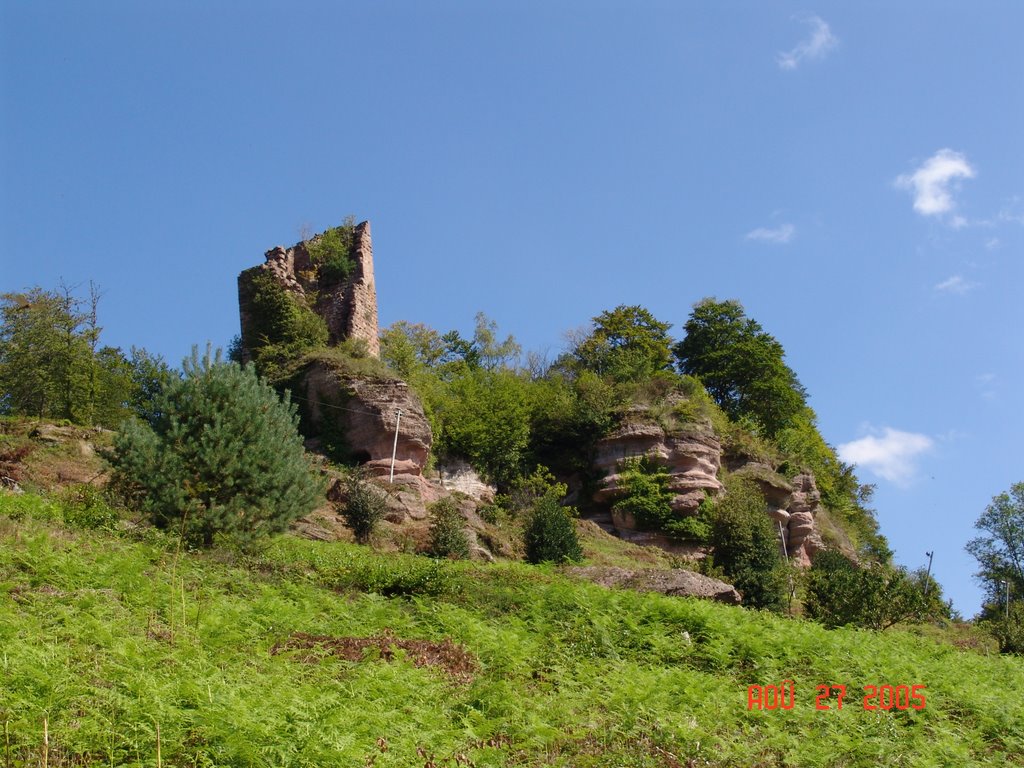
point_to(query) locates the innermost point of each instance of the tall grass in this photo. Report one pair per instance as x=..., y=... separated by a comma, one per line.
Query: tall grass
x=109, y=639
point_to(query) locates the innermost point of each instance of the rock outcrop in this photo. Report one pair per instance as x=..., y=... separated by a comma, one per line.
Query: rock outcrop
x=351, y=413
x=364, y=412
x=692, y=456
x=802, y=537
x=793, y=505
x=676, y=582
x=458, y=476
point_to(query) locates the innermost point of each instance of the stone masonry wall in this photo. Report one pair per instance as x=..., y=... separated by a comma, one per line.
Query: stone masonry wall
x=349, y=308
x=361, y=305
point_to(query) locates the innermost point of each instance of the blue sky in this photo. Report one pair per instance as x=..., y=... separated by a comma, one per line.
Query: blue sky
x=852, y=173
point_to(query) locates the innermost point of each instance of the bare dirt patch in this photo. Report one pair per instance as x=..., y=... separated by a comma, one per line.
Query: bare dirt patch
x=456, y=661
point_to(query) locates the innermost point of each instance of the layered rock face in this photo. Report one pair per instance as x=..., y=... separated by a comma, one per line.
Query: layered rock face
x=693, y=457
x=365, y=412
x=802, y=538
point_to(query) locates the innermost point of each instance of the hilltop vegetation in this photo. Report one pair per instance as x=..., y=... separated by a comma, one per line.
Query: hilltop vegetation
x=726, y=375
x=197, y=642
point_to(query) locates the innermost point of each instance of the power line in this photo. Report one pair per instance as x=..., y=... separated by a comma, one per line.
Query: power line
x=335, y=407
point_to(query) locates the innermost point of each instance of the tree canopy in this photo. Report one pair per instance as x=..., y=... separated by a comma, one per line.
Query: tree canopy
x=222, y=454
x=52, y=365
x=627, y=344
x=1000, y=549
x=740, y=365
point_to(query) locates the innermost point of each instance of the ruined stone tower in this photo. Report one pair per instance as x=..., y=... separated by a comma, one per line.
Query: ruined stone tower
x=347, y=304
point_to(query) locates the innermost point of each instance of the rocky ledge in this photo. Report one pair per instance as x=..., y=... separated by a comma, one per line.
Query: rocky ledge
x=365, y=412
x=676, y=582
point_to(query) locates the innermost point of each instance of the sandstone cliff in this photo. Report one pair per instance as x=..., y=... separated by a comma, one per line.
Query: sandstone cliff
x=363, y=412
x=693, y=456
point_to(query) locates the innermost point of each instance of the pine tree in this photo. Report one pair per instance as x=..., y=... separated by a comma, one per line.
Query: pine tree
x=550, y=534
x=222, y=454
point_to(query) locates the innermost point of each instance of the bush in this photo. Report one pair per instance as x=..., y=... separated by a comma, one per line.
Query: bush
x=647, y=497
x=550, y=534
x=364, y=507
x=746, y=546
x=331, y=251
x=840, y=593
x=222, y=455
x=1008, y=630
x=448, y=530
x=283, y=326
x=84, y=506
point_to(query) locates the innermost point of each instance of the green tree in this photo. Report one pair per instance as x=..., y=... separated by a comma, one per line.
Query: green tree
x=113, y=387
x=44, y=357
x=51, y=362
x=569, y=415
x=1007, y=627
x=150, y=376
x=627, y=344
x=283, y=326
x=410, y=349
x=550, y=534
x=740, y=365
x=876, y=596
x=999, y=550
x=448, y=530
x=485, y=418
x=364, y=506
x=483, y=350
x=746, y=546
x=222, y=455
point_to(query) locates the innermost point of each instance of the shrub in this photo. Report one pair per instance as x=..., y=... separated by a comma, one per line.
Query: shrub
x=746, y=546
x=448, y=530
x=222, y=455
x=647, y=497
x=330, y=252
x=283, y=327
x=84, y=506
x=550, y=534
x=364, y=507
x=1008, y=630
x=841, y=593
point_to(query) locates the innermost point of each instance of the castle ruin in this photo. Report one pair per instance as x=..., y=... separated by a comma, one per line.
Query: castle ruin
x=348, y=306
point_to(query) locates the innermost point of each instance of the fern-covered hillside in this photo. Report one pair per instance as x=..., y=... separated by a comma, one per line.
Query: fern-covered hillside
x=119, y=648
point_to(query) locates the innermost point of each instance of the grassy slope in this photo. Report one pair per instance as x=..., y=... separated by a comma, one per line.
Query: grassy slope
x=106, y=636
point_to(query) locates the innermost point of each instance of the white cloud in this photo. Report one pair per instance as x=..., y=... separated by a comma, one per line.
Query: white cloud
x=1011, y=212
x=988, y=385
x=955, y=284
x=819, y=43
x=890, y=453
x=932, y=181
x=993, y=243
x=781, y=234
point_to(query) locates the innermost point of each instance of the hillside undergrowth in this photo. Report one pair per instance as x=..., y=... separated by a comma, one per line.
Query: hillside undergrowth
x=108, y=639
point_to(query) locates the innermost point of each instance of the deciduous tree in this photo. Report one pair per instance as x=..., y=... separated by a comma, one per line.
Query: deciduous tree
x=740, y=365
x=627, y=344
x=999, y=549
